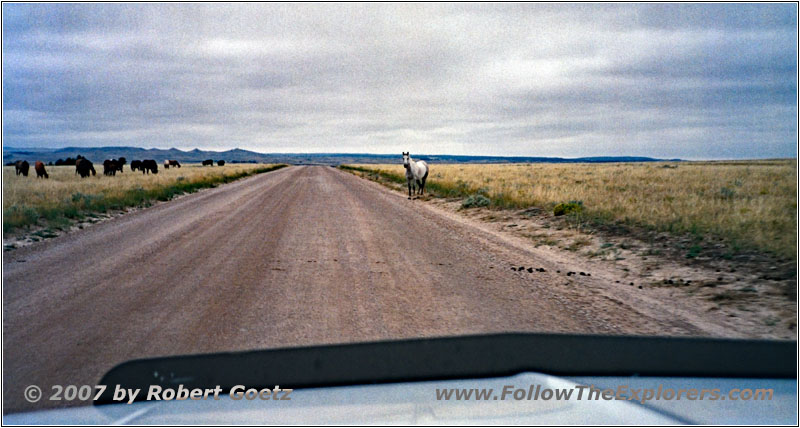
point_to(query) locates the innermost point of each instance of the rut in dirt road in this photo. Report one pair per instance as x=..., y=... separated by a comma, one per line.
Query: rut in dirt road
x=300, y=256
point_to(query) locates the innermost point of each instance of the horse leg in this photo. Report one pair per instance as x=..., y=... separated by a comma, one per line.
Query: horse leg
x=409, y=189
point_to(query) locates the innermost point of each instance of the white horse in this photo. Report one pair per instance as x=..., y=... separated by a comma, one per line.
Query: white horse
x=416, y=174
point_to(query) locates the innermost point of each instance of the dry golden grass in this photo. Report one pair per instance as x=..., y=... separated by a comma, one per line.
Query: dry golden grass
x=752, y=203
x=65, y=196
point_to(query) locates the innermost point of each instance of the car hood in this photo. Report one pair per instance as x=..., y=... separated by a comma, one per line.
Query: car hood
x=416, y=403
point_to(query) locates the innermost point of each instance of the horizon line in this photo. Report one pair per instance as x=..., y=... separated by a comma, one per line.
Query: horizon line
x=16, y=148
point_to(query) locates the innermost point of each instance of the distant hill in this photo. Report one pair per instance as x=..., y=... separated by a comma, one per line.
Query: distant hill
x=98, y=154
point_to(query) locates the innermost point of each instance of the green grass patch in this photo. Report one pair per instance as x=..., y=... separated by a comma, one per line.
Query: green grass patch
x=694, y=251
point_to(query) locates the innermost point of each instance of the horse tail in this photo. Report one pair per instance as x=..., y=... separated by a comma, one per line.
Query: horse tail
x=424, y=178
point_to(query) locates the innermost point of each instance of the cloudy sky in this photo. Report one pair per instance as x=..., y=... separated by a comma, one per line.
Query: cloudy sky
x=669, y=80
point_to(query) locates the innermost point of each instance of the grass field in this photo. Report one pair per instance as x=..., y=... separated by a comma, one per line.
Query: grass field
x=752, y=204
x=65, y=197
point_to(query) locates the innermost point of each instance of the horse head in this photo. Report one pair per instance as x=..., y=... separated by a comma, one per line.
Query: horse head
x=406, y=160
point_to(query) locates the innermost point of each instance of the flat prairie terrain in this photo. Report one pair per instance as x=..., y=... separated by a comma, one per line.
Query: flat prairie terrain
x=750, y=204
x=56, y=202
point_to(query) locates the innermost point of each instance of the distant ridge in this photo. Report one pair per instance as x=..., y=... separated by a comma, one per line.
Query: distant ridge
x=98, y=154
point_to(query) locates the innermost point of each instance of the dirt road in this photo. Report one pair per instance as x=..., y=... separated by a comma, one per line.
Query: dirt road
x=300, y=256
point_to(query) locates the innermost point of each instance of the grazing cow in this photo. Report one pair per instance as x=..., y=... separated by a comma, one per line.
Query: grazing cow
x=416, y=174
x=166, y=164
x=136, y=164
x=40, y=171
x=221, y=163
x=22, y=167
x=84, y=167
x=175, y=163
x=110, y=167
x=148, y=166
x=209, y=162
x=120, y=163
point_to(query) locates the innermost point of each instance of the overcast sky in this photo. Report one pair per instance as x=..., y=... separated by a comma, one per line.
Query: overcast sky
x=665, y=80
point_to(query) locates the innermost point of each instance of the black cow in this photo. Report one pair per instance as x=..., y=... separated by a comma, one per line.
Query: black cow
x=136, y=164
x=209, y=162
x=84, y=167
x=120, y=163
x=110, y=167
x=22, y=167
x=149, y=165
x=221, y=163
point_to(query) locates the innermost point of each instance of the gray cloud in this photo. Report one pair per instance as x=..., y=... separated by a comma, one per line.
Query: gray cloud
x=666, y=80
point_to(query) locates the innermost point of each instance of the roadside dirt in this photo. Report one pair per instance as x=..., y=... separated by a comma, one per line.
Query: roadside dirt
x=761, y=296
x=313, y=255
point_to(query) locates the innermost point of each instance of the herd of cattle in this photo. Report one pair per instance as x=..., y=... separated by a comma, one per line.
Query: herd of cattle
x=84, y=167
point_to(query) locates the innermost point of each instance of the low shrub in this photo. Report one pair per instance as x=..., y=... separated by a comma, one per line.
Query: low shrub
x=568, y=208
x=476, y=201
